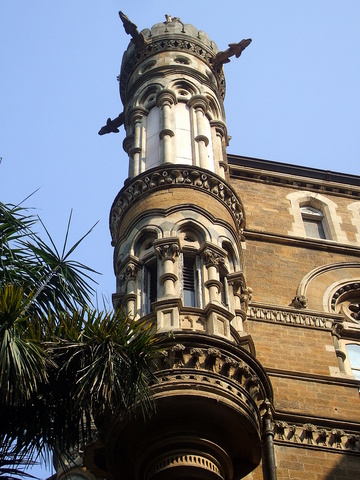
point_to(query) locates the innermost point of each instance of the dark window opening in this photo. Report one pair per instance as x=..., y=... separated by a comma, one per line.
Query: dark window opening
x=189, y=281
x=151, y=282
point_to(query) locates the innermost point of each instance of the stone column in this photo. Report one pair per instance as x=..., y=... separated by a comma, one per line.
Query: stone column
x=341, y=356
x=212, y=261
x=165, y=99
x=129, y=276
x=200, y=105
x=219, y=128
x=135, y=117
x=167, y=253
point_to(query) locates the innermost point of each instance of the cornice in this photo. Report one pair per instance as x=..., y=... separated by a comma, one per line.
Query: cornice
x=335, y=437
x=291, y=316
x=175, y=176
x=313, y=377
x=325, y=181
x=297, y=242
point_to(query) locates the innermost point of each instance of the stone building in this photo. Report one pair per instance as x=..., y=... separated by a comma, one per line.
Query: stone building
x=252, y=269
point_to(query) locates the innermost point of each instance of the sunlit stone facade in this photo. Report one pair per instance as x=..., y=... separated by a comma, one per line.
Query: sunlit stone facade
x=257, y=380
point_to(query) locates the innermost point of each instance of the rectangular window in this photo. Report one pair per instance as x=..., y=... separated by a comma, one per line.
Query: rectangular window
x=150, y=285
x=189, y=297
x=314, y=228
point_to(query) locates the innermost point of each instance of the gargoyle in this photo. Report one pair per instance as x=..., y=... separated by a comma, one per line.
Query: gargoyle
x=112, y=126
x=234, y=49
x=131, y=29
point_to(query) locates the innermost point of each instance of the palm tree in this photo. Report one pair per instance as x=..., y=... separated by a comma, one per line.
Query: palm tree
x=64, y=366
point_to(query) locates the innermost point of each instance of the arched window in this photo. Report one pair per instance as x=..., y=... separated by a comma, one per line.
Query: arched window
x=315, y=216
x=353, y=351
x=314, y=222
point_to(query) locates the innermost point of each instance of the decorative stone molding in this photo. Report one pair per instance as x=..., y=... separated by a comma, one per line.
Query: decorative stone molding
x=288, y=316
x=168, y=177
x=317, y=436
x=214, y=365
x=186, y=44
x=186, y=460
x=348, y=288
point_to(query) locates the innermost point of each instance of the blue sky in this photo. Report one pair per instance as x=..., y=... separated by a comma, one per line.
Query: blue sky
x=293, y=96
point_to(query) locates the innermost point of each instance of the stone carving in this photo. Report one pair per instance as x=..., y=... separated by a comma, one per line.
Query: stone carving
x=348, y=288
x=212, y=259
x=170, y=19
x=168, y=251
x=299, y=301
x=129, y=272
x=355, y=309
x=336, y=437
x=112, y=126
x=168, y=176
x=308, y=431
x=323, y=434
x=217, y=367
x=234, y=49
x=246, y=295
x=352, y=441
x=131, y=29
x=316, y=436
x=133, y=59
x=280, y=429
x=287, y=316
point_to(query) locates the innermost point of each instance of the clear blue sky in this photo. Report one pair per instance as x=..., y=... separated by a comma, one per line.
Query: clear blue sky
x=293, y=96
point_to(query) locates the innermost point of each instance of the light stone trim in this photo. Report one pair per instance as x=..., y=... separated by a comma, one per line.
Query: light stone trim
x=288, y=317
x=317, y=436
x=355, y=210
x=325, y=205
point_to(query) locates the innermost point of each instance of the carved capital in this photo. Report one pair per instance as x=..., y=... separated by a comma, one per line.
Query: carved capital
x=168, y=251
x=135, y=114
x=220, y=127
x=166, y=97
x=212, y=258
x=199, y=102
x=129, y=272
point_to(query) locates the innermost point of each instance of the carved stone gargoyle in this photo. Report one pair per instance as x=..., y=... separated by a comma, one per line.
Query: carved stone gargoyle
x=131, y=29
x=112, y=126
x=234, y=49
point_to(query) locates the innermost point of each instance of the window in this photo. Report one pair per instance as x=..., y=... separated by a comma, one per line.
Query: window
x=354, y=358
x=315, y=208
x=189, y=282
x=314, y=223
x=150, y=285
